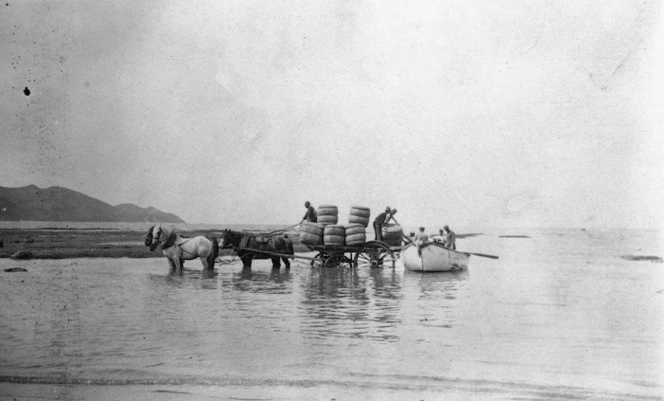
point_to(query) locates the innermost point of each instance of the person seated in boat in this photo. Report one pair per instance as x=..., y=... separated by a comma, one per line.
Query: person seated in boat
x=310, y=215
x=449, y=238
x=421, y=239
x=382, y=220
x=440, y=237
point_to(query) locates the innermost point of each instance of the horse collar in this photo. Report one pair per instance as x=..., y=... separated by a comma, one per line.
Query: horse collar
x=170, y=241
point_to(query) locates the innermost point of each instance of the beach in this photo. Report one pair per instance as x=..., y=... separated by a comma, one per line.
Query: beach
x=563, y=314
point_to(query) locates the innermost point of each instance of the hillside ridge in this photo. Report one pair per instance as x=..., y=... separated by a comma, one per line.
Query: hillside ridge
x=31, y=203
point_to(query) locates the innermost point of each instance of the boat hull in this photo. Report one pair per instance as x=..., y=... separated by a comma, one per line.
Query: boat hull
x=435, y=258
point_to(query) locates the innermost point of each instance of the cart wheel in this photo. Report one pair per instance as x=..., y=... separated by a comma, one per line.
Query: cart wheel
x=375, y=254
x=319, y=260
x=338, y=260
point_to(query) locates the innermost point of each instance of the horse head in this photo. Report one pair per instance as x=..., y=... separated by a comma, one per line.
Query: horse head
x=148, y=236
x=159, y=235
x=226, y=239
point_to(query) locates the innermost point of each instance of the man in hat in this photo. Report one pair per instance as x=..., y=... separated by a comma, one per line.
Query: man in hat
x=382, y=220
x=310, y=215
x=449, y=238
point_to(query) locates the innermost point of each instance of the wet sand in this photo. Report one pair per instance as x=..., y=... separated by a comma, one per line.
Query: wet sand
x=394, y=390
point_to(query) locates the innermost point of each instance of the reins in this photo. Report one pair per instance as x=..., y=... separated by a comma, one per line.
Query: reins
x=271, y=233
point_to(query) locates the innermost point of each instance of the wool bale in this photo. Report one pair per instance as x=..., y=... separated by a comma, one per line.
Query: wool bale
x=311, y=233
x=392, y=234
x=328, y=214
x=334, y=235
x=359, y=215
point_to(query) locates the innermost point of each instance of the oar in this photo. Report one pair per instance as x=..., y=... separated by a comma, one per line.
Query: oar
x=484, y=255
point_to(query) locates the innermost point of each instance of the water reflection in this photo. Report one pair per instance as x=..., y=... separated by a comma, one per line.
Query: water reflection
x=440, y=285
x=386, y=283
x=277, y=281
x=353, y=303
x=437, y=301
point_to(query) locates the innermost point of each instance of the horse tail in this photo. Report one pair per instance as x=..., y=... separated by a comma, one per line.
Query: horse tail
x=215, y=252
x=215, y=247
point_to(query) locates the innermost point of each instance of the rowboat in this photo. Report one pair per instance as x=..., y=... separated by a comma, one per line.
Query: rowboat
x=435, y=258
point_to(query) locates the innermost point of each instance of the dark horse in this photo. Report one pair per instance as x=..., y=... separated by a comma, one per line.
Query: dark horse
x=248, y=247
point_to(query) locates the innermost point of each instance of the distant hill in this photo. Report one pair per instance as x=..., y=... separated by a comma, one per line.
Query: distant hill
x=62, y=204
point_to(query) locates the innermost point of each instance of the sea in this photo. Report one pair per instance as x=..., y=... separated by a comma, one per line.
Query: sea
x=563, y=314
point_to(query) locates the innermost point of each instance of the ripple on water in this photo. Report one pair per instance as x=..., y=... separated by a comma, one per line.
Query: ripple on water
x=128, y=321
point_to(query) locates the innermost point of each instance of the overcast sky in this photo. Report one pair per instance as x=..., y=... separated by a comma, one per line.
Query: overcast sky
x=471, y=113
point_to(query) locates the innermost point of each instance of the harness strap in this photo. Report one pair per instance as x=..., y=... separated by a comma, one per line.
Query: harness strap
x=243, y=242
x=187, y=240
x=170, y=241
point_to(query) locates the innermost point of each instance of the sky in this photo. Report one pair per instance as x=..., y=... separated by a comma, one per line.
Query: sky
x=467, y=113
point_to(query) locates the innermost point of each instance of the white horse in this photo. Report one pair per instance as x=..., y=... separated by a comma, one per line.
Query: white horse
x=178, y=249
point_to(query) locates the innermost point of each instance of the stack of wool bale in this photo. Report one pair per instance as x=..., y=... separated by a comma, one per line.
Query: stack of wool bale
x=333, y=234
x=357, y=222
x=327, y=232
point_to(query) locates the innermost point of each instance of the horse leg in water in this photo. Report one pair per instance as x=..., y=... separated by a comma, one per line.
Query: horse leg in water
x=208, y=261
x=276, y=264
x=172, y=265
x=179, y=266
x=286, y=262
x=246, y=260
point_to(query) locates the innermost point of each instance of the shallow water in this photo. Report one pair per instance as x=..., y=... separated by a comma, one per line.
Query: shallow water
x=560, y=315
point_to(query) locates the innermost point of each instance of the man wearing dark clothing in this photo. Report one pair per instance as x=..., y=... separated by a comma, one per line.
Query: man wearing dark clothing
x=449, y=239
x=381, y=220
x=310, y=215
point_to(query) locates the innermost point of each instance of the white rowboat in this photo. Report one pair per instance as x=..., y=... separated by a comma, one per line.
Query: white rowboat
x=435, y=258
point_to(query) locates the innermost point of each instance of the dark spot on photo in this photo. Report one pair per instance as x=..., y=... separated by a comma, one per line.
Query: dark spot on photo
x=26, y=91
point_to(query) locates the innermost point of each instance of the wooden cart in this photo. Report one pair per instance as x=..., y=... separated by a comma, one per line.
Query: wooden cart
x=370, y=254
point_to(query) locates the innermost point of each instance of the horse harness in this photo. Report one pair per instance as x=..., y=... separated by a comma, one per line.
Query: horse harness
x=261, y=241
x=170, y=241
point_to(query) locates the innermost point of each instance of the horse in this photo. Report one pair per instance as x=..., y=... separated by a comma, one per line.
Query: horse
x=178, y=249
x=248, y=247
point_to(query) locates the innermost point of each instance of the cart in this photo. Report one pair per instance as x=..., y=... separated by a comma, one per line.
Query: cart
x=370, y=254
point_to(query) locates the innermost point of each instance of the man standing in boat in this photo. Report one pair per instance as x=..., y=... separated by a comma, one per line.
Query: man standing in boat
x=382, y=220
x=310, y=215
x=449, y=238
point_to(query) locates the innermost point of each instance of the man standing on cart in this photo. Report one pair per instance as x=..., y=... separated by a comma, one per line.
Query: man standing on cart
x=310, y=215
x=382, y=220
